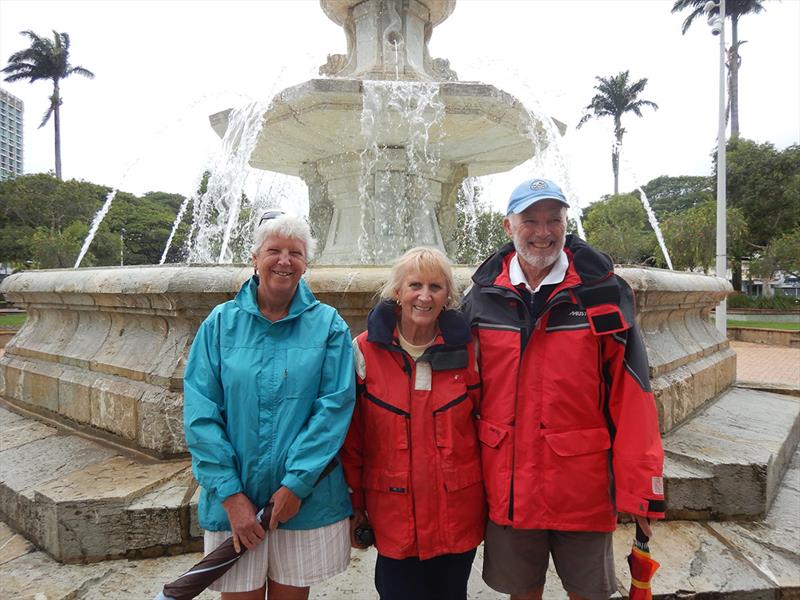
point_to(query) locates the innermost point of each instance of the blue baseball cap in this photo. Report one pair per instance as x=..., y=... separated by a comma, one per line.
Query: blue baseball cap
x=532, y=191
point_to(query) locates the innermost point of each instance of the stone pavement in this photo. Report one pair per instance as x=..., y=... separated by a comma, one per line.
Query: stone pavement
x=711, y=560
x=759, y=363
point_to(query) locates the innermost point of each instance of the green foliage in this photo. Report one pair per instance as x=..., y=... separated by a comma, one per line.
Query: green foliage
x=774, y=303
x=691, y=235
x=12, y=319
x=618, y=225
x=764, y=183
x=43, y=223
x=479, y=230
x=673, y=194
x=764, y=325
x=782, y=254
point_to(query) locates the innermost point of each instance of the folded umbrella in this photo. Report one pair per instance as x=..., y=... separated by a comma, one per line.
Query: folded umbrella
x=213, y=566
x=219, y=561
x=642, y=567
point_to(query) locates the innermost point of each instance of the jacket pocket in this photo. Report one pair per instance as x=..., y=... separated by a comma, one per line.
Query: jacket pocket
x=576, y=473
x=389, y=508
x=466, y=506
x=581, y=441
x=497, y=450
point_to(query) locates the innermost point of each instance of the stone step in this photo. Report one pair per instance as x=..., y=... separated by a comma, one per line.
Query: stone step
x=82, y=500
x=728, y=460
x=751, y=560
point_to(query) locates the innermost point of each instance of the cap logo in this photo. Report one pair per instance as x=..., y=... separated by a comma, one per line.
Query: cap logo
x=538, y=184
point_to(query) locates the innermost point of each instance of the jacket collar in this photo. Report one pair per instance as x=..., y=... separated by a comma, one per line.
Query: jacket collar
x=382, y=323
x=302, y=300
x=586, y=266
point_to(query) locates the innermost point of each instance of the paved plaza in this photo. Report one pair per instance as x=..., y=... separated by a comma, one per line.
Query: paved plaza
x=700, y=559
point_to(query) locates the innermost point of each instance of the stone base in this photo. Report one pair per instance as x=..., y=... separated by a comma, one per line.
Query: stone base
x=754, y=560
x=727, y=462
x=82, y=501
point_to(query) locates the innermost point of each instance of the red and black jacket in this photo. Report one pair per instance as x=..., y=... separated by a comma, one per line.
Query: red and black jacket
x=568, y=424
x=411, y=457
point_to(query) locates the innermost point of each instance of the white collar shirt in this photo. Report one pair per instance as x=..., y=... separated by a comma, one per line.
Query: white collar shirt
x=556, y=274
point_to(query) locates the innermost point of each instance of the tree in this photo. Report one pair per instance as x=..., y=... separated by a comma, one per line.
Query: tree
x=46, y=59
x=734, y=10
x=782, y=254
x=615, y=97
x=691, y=234
x=674, y=194
x=618, y=226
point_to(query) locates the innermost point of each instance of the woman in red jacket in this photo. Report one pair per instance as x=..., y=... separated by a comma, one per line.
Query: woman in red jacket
x=411, y=455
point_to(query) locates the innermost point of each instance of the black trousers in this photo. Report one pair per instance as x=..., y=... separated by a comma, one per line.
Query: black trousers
x=440, y=578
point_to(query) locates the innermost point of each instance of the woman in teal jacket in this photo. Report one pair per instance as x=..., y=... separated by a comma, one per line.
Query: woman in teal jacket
x=268, y=397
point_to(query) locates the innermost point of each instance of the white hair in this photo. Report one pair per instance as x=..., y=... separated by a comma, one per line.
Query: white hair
x=285, y=226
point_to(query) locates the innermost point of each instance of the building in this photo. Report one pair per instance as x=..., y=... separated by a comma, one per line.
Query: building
x=11, y=109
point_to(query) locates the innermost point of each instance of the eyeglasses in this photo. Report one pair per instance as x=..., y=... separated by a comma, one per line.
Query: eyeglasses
x=269, y=215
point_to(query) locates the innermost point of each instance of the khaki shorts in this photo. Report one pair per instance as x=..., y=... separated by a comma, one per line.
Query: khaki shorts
x=515, y=560
x=299, y=558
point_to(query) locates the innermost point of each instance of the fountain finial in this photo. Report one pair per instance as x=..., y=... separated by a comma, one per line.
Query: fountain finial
x=388, y=39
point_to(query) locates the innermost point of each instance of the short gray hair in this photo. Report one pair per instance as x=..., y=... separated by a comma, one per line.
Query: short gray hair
x=285, y=226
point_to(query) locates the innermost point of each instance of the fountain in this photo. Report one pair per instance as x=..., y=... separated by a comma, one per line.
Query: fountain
x=383, y=144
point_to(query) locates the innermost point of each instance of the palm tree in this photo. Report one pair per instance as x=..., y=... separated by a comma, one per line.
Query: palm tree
x=615, y=97
x=46, y=59
x=734, y=9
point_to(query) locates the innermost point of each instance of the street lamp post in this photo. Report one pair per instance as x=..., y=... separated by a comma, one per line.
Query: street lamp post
x=718, y=28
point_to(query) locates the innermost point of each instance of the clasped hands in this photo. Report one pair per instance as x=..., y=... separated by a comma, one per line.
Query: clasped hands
x=245, y=526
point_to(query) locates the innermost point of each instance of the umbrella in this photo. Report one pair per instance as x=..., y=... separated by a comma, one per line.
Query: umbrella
x=642, y=567
x=213, y=566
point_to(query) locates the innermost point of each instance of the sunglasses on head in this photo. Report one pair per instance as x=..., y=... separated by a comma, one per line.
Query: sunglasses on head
x=269, y=215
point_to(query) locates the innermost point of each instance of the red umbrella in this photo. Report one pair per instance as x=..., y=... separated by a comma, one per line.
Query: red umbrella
x=642, y=567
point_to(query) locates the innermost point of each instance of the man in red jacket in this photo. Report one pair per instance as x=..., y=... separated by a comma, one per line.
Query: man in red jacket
x=568, y=425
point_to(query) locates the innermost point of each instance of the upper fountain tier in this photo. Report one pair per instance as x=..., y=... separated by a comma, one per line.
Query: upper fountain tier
x=385, y=141
x=388, y=39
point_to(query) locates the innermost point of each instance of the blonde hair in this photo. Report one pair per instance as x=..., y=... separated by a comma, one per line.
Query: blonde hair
x=422, y=259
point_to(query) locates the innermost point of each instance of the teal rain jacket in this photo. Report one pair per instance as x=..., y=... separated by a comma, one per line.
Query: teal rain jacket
x=268, y=404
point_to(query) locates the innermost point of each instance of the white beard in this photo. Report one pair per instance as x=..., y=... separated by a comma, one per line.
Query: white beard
x=538, y=261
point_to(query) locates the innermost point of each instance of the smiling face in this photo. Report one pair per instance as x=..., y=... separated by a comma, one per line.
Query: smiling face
x=422, y=296
x=538, y=232
x=280, y=263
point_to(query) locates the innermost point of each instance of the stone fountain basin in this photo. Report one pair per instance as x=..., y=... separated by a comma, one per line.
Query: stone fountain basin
x=485, y=129
x=104, y=348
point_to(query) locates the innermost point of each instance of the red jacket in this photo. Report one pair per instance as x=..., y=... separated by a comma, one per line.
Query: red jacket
x=568, y=424
x=411, y=456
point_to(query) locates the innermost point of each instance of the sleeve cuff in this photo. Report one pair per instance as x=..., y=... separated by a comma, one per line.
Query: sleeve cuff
x=228, y=488
x=299, y=489
x=652, y=508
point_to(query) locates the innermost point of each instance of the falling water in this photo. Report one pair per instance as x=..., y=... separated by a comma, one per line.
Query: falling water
x=178, y=219
x=651, y=216
x=549, y=157
x=654, y=223
x=216, y=212
x=98, y=218
x=397, y=210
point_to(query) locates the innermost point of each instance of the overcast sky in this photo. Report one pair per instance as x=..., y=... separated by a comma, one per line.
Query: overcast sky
x=163, y=66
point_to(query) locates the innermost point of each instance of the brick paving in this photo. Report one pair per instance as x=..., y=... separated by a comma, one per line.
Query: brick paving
x=767, y=364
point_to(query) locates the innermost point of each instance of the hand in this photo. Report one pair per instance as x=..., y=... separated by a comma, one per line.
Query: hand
x=284, y=506
x=359, y=519
x=644, y=523
x=244, y=525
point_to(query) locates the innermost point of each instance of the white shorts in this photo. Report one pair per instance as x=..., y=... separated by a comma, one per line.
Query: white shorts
x=299, y=558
